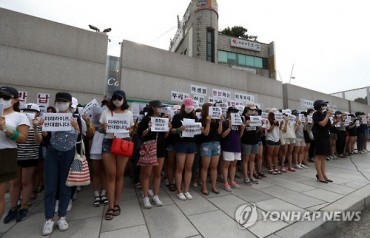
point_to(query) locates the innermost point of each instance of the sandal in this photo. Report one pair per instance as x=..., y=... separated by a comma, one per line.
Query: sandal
x=109, y=214
x=138, y=186
x=40, y=188
x=274, y=172
x=116, y=210
x=205, y=192
x=262, y=175
x=104, y=200
x=172, y=187
x=97, y=201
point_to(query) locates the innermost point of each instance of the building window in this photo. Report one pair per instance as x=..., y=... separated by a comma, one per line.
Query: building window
x=242, y=60
x=210, y=45
x=231, y=58
x=222, y=56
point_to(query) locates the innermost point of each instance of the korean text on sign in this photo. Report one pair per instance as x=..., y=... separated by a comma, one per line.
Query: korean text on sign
x=119, y=124
x=215, y=112
x=236, y=120
x=57, y=122
x=159, y=124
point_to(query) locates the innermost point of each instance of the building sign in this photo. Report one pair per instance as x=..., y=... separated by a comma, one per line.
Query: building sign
x=245, y=44
x=249, y=70
x=306, y=103
x=205, y=4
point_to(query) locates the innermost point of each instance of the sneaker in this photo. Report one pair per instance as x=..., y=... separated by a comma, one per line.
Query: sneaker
x=78, y=189
x=156, y=201
x=69, y=205
x=150, y=193
x=188, y=195
x=10, y=216
x=247, y=181
x=253, y=180
x=146, y=203
x=22, y=214
x=234, y=185
x=62, y=224
x=48, y=228
x=56, y=206
x=303, y=166
x=227, y=187
x=195, y=185
x=297, y=166
x=181, y=196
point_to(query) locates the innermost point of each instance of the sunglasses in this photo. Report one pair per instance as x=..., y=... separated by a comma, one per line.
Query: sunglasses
x=117, y=97
x=5, y=97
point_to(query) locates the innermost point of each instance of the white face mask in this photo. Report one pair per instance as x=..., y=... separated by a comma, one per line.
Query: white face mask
x=188, y=110
x=62, y=106
x=6, y=103
x=118, y=103
x=324, y=108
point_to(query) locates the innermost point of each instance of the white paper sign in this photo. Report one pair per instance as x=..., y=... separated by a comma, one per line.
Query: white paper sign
x=264, y=115
x=292, y=119
x=89, y=107
x=119, y=124
x=194, y=89
x=236, y=119
x=159, y=124
x=57, y=122
x=309, y=119
x=301, y=118
x=178, y=96
x=255, y=121
x=199, y=100
x=218, y=93
x=278, y=116
x=215, y=112
x=192, y=128
x=1, y=109
x=43, y=101
x=244, y=97
x=214, y=100
x=22, y=97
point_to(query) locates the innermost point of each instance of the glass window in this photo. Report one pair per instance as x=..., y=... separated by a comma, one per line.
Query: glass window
x=231, y=58
x=210, y=45
x=249, y=61
x=222, y=56
x=258, y=62
x=241, y=60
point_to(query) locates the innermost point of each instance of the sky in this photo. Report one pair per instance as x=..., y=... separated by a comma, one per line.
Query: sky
x=322, y=44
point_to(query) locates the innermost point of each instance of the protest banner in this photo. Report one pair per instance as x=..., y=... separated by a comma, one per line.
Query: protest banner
x=159, y=124
x=192, y=128
x=255, y=121
x=118, y=124
x=89, y=107
x=264, y=115
x=278, y=116
x=195, y=89
x=301, y=118
x=22, y=98
x=236, y=119
x=292, y=119
x=96, y=114
x=43, y=101
x=215, y=112
x=309, y=119
x=57, y=122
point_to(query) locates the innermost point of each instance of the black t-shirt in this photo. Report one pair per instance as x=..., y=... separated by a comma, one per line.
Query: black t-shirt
x=320, y=131
x=213, y=134
x=160, y=136
x=250, y=135
x=176, y=123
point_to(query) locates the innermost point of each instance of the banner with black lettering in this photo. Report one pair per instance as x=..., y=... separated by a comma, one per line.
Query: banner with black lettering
x=57, y=122
x=159, y=124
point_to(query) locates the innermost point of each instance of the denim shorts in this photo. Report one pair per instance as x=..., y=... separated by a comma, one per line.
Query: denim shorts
x=186, y=147
x=209, y=149
x=107, y=143
x=249, y=149
x=272, y=143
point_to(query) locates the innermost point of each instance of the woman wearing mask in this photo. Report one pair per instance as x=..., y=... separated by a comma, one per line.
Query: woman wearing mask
x=210, y=148
x=59, y=157
x=287, y=139
x=320, y=129
x=14, y=129
x=28, y=154
x=300, y=145
x=341, y=133
x=115, y=165
x=272, y=142
x=185, y=149
x=155, y=169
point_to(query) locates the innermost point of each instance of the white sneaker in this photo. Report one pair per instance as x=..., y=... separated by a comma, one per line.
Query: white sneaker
x=303, y=166
x=181, y=196
x=62, y=224
x=146, y=203
x=297, y=166
x=150, y=193
x=69, y=205
x=157, y=202
x=188, y=195
x=56, y=206
x=48, y=228
x=195, y=184
x=253, y=180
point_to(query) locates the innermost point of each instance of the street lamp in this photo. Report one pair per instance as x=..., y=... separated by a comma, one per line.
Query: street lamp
x=291, y=73
x=98, y=30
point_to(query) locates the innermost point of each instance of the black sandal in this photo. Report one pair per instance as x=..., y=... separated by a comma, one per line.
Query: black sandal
x=97, y=201
x=109, y=214
x=104, y=200
x=116, y=210
x=172, y=187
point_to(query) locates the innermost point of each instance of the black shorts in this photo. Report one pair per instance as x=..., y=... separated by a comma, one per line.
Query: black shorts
x=8, y=164
x=27, y=163
x=272, y=143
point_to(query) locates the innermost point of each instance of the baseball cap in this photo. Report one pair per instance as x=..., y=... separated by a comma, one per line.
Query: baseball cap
x=120, y=93
x=31, y=107
x=155, y=103
x=63, y=96
x=251, y=106
x=318, y=103
x=274, y=110
x=9, y=91
x=188, y=102
x=74, y=102
x=232, y=109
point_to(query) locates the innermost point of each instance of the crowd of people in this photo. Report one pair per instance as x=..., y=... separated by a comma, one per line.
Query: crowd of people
x=221, y=148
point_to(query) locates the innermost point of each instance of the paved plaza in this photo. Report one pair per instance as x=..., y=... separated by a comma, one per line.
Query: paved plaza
x=213, y=215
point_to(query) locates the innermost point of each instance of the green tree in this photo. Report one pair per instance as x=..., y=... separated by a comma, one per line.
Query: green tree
x=361, y=100
x=235, y=31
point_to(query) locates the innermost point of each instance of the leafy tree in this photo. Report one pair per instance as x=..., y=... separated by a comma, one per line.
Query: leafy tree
x=235, y=31
x=361, y=100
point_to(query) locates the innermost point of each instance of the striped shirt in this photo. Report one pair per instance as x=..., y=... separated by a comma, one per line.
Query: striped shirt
x=28, y=150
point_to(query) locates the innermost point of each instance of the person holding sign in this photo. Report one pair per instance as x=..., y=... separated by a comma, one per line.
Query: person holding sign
x=152, y=157
x=300, y=145
x=117, y=121
x=287, y=139
x=231, y=149
x=27, y=158
x=210, y=147
x=185, y=149
x=320, y=129
x=14, y=129
x=59, y=156
x=272, y=142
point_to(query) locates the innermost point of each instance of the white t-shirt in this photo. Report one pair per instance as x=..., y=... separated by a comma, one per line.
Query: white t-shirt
x=290, y=131
x=12, y=121
x=273, y=135
x=107, y=114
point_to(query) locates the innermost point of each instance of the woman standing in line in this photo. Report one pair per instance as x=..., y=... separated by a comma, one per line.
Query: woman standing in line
x=14, y=129
x=272, y=142
x=115, y=165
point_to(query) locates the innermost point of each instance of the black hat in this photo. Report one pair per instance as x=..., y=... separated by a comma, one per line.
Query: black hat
x=9, y=91
x=317, y=104
x=119, y=93
x=63, y=96
x=337, y=112
x=232, y=109
x=155, y=103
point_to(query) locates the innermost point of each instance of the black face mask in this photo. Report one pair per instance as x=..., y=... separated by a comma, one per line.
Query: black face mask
x=117, y=97
x=5, y=97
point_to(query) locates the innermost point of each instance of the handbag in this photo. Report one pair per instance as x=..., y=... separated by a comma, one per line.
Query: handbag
x=148, y=153
x=122, y=147
x=79, y=174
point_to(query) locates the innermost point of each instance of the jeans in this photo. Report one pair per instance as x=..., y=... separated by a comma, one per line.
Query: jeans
x=56, y=168
x=360, y=141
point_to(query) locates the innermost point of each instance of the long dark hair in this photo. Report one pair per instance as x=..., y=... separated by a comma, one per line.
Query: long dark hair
x=124, y=106
x=271, y=118
x=16, y=106
x=205, y=112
